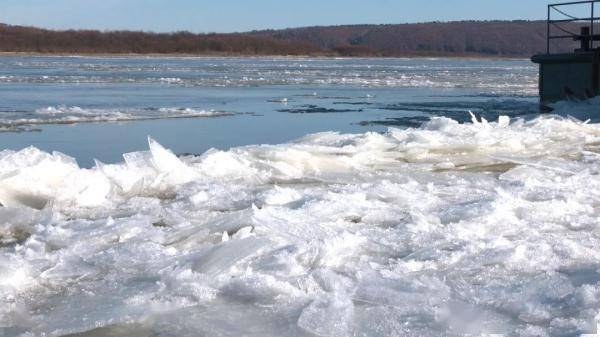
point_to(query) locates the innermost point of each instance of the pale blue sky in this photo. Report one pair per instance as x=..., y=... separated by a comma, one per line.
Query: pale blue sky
x=244, y=15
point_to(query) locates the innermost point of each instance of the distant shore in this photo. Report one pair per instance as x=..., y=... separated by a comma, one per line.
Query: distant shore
x=463, y=39
x=225, y=55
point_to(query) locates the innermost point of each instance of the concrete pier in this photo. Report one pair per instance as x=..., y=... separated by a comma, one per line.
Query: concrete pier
x=568, y=76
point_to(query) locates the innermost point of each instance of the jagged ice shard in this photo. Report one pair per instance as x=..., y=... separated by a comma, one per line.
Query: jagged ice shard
x=447, y=229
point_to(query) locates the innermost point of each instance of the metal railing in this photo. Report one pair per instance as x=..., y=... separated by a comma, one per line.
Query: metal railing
x=586, y=36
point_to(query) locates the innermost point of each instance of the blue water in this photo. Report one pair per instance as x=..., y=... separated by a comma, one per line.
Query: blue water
x=247, y=97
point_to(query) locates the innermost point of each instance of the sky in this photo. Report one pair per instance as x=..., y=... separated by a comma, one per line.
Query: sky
x=204, y=16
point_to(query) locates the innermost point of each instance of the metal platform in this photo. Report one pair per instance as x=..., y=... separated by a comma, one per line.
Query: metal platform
x=587, y=35
x=574, y=75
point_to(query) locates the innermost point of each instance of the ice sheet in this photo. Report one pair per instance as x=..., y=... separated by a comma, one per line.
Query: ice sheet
x=15, y=122
x=515, y=77
x=447, y=229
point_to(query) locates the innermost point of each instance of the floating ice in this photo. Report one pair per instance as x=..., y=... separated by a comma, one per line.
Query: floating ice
x=15, y=122
x=579, y=109
x=448, y=229
x=223, y=72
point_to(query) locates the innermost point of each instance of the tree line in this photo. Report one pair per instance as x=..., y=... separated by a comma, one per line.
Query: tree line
x=465, y=38
x=29, y=39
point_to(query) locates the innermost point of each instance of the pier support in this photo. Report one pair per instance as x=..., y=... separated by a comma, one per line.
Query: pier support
x=568, y=76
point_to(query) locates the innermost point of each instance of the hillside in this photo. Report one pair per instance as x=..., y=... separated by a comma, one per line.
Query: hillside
x=491, y=38
x=465, y=38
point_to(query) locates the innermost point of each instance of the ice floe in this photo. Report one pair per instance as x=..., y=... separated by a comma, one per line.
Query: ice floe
x=24, y=121
x=490, y=227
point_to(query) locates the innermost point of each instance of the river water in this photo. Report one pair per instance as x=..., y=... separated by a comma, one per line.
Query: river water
x=294, y=197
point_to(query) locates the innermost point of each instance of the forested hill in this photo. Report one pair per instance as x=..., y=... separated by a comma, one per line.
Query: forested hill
x=465, y=38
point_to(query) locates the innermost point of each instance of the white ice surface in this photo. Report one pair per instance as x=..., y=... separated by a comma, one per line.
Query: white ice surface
x=511, y=77
x=490, y=227
x=578, y=109
x=10, y=122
